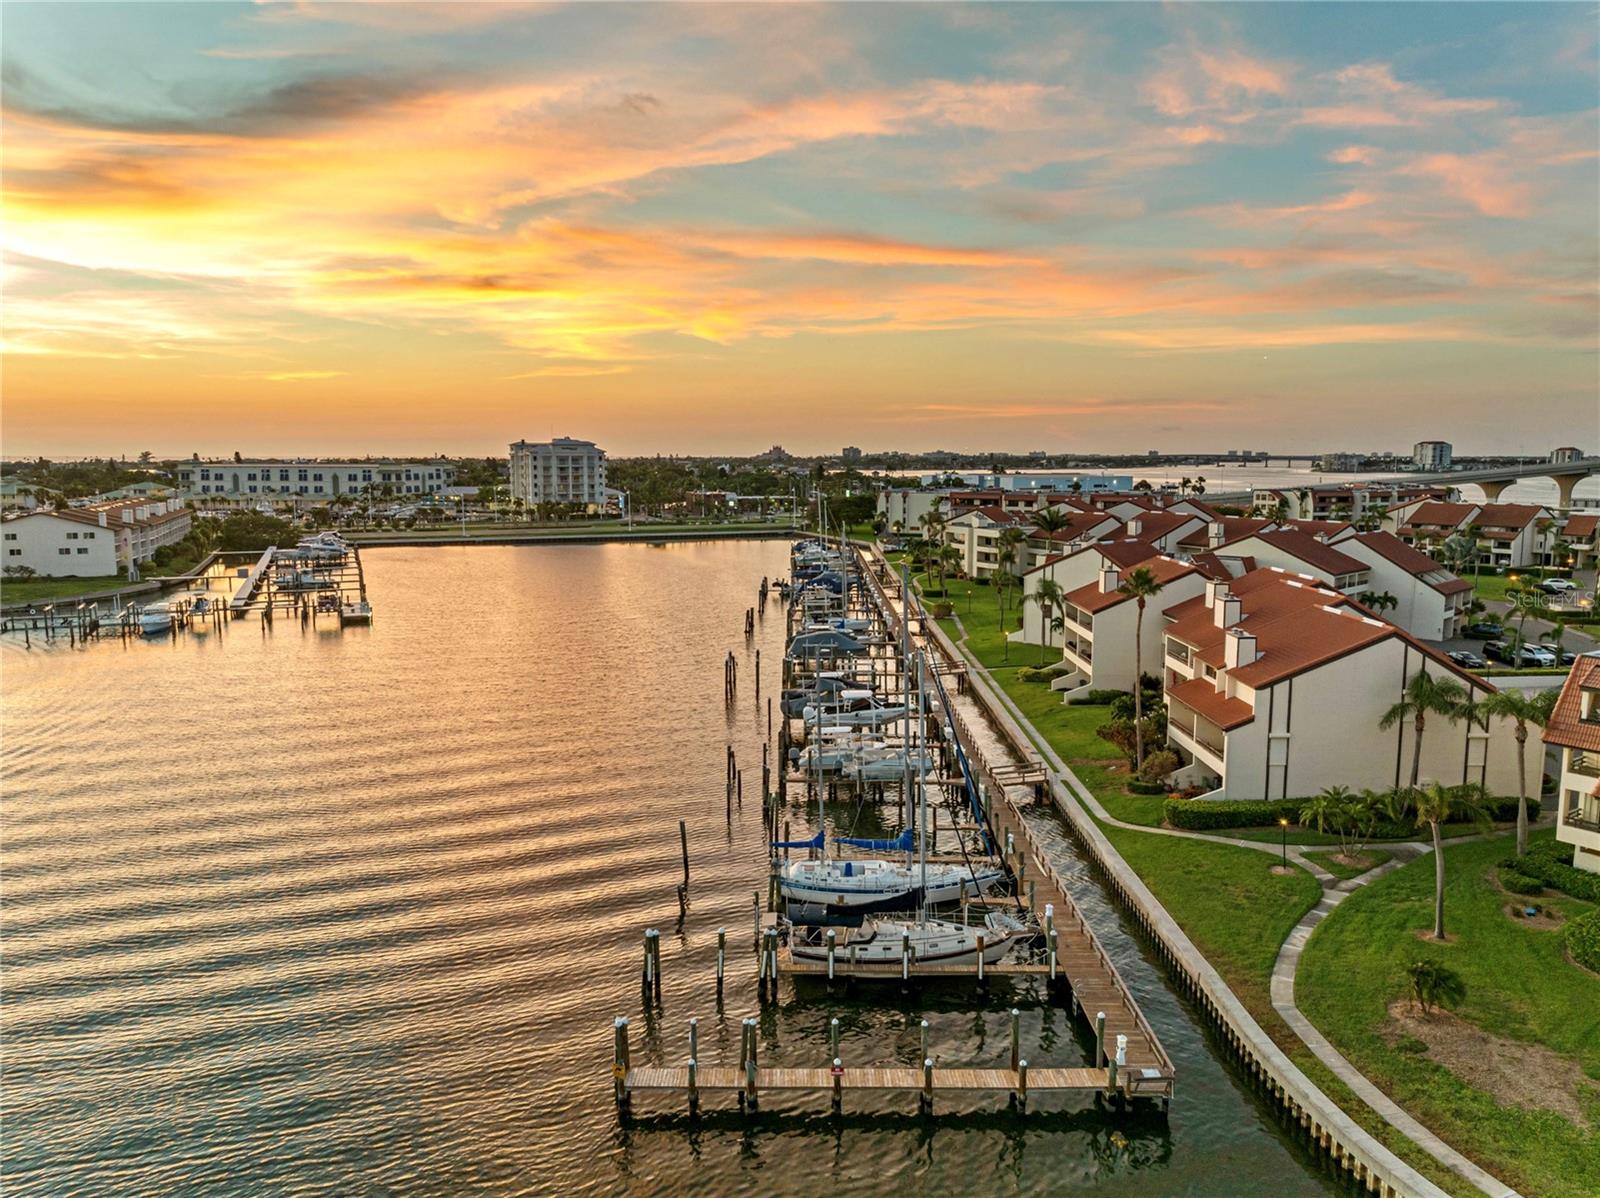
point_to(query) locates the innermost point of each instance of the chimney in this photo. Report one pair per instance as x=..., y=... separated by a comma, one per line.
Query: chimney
x=102, y=516
x=1214, y=534
x=1135, y=526
x=1228, y=610
x=127, y=515
x=1214, y=588
x=1110, y=576
x=1239, y=648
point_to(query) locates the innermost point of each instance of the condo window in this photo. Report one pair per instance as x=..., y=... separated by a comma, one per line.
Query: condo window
x=14, y=552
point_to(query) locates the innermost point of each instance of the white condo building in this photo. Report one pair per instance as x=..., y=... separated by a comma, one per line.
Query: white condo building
x=1432, y=455
x=564, y=470
x=93, y=540
x=246, y=483
x=1574, y=731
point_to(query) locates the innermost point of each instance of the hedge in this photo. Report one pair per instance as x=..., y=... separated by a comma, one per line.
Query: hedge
x=1202, y=814
x=1517, y=882
x=1545, y=862
x=1583, y=940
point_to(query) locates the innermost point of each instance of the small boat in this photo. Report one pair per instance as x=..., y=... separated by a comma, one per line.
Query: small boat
x=155, y=619
x=877, y=885
x=302, y=580
x=358, y=611
x=930, y=941
x=201, y=606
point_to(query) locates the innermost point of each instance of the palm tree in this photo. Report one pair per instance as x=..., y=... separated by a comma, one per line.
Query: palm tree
x=1433, y=984
x=1475, y=535
x=1378, y=601
x=1523, y=710
x=1006, y=550
x=1423, y=696
x=1434, y=806
x=1141, y=586
x=1331, y=808
x=1523, y=596
x=1048, y=595
x=1050, y=521
x=947, y=557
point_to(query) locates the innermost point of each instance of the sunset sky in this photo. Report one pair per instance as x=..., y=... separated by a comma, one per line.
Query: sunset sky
x=351, y=228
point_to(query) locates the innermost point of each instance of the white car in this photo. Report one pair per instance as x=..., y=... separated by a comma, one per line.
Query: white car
x=1557, y=586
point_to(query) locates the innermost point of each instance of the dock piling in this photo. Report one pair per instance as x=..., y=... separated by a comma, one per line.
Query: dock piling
x=1016, y=1038
x=722, y=954
x=1099, y=1039
x=619, y=1066
x=926, y=1101
x=1022, y=1084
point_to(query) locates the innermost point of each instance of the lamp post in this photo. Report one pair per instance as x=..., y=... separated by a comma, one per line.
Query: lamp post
x=1283, y=827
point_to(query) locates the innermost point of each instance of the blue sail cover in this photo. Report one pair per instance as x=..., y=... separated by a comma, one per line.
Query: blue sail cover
x=814, y=843
x=903, y=843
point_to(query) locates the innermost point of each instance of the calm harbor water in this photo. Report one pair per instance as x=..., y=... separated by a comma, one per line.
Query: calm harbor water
x=309, y=912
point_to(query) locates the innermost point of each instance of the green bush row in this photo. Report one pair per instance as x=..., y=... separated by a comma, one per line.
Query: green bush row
x=1517, y=882
x=1546, y=861
x=1583, y=940
x=1202, y=814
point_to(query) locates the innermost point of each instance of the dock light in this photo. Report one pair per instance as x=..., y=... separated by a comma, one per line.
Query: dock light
x=1283, y=825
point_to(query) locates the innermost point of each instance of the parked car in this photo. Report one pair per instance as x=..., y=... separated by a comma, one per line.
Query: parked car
x=1563, y=656
x=1482, y=630
x=1557, y=586
x=1468, y=661
x=1534, y=655
x=1496, y=651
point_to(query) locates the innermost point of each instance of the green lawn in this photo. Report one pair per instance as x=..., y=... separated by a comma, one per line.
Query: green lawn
x=1372, y=857
x=1236, y=910
x=1490, y=587
x=44, y=590
x=1519, y=985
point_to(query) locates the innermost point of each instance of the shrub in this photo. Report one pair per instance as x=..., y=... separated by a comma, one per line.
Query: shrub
x=1102, y=695
x=943, y=610
x=1198, y=816
x=1435, y=985
x=1035, y=674
x=1518, y=882
x=1121, y=734
x=1158, y=765
x=1583, y=940
x=1147, y=788
x=1545, y=862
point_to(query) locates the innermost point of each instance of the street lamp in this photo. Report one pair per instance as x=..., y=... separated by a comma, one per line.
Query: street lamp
x=1283, y=826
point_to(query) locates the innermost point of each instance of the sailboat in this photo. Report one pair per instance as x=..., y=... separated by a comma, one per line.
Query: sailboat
x=858, y=886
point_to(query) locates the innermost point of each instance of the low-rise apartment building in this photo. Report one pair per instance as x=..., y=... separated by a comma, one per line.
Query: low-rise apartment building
x=245, y=484
x=92, y=541
x=1100, y=625
x=1509, y=536
x=1429, y=601
x=1574, y=730
x=1276, y=684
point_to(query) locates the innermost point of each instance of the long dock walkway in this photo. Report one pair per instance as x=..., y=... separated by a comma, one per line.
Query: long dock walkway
x=1004, y=786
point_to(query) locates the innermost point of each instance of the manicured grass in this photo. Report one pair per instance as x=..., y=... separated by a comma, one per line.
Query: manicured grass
x=1236, y=910
x=1519, y=987
x=1490, y=587
x=43, y=590
x=1300, y=835
x=1372, y=859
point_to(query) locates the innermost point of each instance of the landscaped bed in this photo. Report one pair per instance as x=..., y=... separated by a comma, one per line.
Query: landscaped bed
x=1512, y=1077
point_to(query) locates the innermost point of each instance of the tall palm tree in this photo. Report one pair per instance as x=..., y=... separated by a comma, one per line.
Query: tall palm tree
x=1523, y=597
x=1434, y=806
x=1049, y=596
x=1006, y=546
x=1424, y=695
x=1050, y=521
x=1522, y=710
x=1141, y=586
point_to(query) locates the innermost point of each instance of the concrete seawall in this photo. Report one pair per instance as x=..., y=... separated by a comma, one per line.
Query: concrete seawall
x=1330, y=1129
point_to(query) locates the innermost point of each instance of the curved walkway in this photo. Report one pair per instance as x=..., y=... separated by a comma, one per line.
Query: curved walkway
x=1334, y=892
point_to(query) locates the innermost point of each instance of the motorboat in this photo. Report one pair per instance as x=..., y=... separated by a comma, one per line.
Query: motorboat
x=357, y=612
x=302, y=580
x=155, y=619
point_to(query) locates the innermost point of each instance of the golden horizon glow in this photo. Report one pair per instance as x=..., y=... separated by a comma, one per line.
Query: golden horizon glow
x=367, y=227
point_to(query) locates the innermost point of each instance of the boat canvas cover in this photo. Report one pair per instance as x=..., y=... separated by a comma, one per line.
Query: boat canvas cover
x=815, y=842
x=903, y=843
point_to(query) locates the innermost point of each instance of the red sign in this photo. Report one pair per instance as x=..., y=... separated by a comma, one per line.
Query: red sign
x=837, y=1071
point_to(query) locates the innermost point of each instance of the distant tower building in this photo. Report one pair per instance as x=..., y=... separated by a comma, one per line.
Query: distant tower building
x=1566, y=453
x=561, y=471
x=851, y=455
x=1432, y=455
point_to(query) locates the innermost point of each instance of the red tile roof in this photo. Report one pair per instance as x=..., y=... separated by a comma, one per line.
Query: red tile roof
x=1155, y=525
x=1314, y=553
x=1565, y=727
x=1439, y=515
x=1514, y=516
x=1092, y=599
x=1418, y=565
x=1233, y=527
x=1324, y=528
x=1581, y=528
x=1200, y=695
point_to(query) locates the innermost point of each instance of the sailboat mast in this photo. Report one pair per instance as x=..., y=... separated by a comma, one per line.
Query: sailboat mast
x=905, y=686
x=922, y=796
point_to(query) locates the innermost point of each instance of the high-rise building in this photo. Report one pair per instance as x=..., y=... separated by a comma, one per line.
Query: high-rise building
x=1566, y=453
x=1431, y=455
x=851, y=455
x=564, y=470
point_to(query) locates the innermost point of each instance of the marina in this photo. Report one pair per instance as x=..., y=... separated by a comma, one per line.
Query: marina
x=391, y=926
